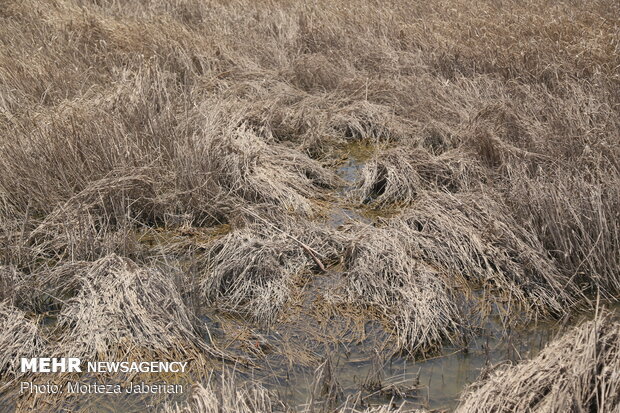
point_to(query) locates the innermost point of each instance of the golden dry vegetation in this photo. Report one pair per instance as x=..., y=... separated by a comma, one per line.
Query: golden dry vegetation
x=434, y=164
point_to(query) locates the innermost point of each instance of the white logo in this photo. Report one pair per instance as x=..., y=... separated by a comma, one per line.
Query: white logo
x=51, y=365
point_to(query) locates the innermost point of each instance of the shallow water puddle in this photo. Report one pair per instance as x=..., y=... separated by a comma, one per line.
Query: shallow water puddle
x=356, y=154
x=433, y=383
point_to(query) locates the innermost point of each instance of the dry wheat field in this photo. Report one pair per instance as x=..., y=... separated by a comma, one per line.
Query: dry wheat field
x=320, y=206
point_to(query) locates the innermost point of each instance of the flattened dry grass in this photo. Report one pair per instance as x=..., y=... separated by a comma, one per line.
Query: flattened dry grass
x=400, y=175
x=252, y=274
x=252, y=270
x=472, y=237
x=419, y=270
x=576, y=372
x=92, y=223
x=382, y=272
x=124, y=311
x=20, y=337
x=265, y=172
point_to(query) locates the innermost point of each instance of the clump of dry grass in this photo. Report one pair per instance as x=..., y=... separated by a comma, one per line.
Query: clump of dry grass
x=252, y=274
x=371, y=121
x=266, y=172
x=389, y=178
x=400, y=175
x=318, y=121
x=417, y=267
x=228, y=396
x=577, y=220
x=252, y=270
x=383, y=272
x=123, y=310
x=472, y=237
x=91, y=224
x=576, y=372
x=50, y=288
x=20, y=337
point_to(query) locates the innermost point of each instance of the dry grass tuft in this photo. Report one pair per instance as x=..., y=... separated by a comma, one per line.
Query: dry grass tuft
x=417, y=267
x=401, y=175
x=577, y=219
x=576, y=372
x=471, y=237
x=20, y=337
x=252, y=270
x=325, y=389
x=252, y=274
x=94, y=222
x=124, y=311
x=260, y=172
x=228, y=396
x=382, y=272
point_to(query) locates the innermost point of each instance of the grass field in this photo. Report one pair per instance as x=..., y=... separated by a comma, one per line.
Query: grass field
x=264, y=187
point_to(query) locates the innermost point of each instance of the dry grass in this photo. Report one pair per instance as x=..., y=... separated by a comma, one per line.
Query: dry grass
x=252, y=270
x=10, y=281
x=381, y=272
x=94, y=222
x=20, y=338
x=577, y=220
x=260, y=172
x=472, y=237
x=576, y=372
x=182, y=109
x=418, y=268
x=400, y=175
x=253, y=274
x=325, y=392
x=226, y=395
x=123, y=311
x=497, y=128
